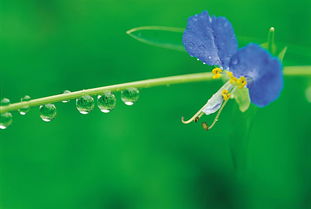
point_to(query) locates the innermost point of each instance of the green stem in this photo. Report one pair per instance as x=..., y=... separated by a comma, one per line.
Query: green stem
x=189, y=78
x=297, y=71
x=271, y=43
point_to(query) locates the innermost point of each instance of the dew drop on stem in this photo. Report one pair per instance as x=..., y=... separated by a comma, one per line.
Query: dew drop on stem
x=6, y=118
x=129, y=96
x=47, y=112
x=4, y=102
x=66, y=92
x=106, y=102
x=85, y=104
x=24, y=110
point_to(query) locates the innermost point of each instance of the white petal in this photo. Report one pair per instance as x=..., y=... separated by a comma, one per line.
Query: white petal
x=213, y=104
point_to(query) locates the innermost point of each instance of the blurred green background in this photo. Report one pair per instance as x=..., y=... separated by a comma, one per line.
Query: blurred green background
x=143, y=157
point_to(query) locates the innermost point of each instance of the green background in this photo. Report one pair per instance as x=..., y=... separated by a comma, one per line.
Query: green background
x=143, y=157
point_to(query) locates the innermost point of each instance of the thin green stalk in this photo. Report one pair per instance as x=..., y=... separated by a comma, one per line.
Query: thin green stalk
x=189, y=78
x=297, y=71
x=271, y=42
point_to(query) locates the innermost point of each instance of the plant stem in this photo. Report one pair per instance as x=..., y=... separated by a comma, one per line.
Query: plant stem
x=271, y=43
x=297, y=71
x=189, y=78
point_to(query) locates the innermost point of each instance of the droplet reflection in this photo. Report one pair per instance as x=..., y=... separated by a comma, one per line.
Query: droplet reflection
x=85, y=104
x=24, y=110
x=4, y=102
x=5, y=120
x=66, y=92
x=129, y=96
x=47, y=112
x=106, y=102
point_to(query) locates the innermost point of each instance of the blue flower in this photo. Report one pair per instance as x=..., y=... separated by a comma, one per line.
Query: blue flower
x=212, y=40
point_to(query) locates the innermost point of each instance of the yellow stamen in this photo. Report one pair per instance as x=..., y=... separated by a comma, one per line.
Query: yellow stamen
x=216, y=70
x=241, y=82
x=216, y=76
x=230, y=74
x=233, y=80
x=217, y=73
x=225, y=94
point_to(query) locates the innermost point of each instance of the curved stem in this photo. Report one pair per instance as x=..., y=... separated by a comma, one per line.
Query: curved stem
x=189, y=78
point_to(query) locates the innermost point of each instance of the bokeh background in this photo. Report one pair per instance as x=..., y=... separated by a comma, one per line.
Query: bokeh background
x=142, y=157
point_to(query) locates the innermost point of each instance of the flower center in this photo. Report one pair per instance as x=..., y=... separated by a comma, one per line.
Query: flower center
x=238, y=82
x=218, y=101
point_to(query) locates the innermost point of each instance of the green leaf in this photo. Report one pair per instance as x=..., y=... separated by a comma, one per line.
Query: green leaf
x=161, y=36
x=272, y=47
x=171, y=38
x=242, y=98
x=271, y=42
x=282, y=53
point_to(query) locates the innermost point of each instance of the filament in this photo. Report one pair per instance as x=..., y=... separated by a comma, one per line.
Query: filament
x=205, y=126
x=194, y=118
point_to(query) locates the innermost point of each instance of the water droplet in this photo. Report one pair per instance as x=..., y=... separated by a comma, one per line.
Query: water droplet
x=106, y=102
x=66, y=92
x=4, y=102
x=209, y=57
x=308, y=94
x=5, y=120
x=85, y=104
x=24, y=110
x=129, y=96
x=47, y=112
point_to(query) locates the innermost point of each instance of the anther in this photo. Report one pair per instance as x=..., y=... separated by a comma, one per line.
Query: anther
x=196, y=119
x=230, y=74
x=216, y=70
x=241, y=82
x=233, y=80
x=216, y=76
x=225, y=94
x=205, y=126
x=217, y=73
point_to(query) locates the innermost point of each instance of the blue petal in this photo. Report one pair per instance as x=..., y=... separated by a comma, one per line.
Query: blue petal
x=210, y=39
x=263, y=71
